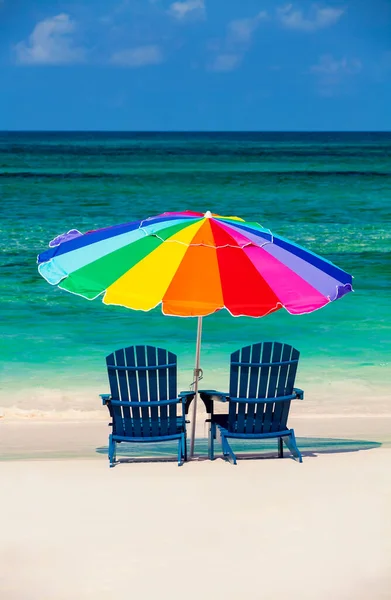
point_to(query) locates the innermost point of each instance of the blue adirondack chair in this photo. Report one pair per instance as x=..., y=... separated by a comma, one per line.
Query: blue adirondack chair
x=261, y=389
x=143, y=402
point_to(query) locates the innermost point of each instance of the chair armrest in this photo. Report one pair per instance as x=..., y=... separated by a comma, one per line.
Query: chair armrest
x=220, y=396
x=105, y=398
x=185, y=394
x=299, y=393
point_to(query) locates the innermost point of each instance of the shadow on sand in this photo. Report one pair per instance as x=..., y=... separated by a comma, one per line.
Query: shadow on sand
x=252, y=449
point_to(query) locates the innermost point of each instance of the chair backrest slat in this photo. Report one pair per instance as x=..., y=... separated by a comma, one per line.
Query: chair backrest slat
x=115, y=411
x=281, y=387
x=266, y=370
x=233, y=389
x=122, y=375
x=134, y=426
x=244, y=377
x=153, y=393
x=143, y=383
x=266, y=355
x=291, y=376
x=272, y=386
x=143, y=390
x=163, y=392
x=172, y=391
x=120, y=360
x=253, y=387
x=274, y=370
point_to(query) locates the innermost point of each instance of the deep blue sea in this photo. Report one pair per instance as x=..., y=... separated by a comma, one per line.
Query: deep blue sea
x=330, y=192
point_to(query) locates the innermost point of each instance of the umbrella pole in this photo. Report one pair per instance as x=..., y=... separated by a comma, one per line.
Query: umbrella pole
x=197, y=373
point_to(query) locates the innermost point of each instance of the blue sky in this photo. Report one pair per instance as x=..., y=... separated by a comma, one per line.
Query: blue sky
x=195, y=65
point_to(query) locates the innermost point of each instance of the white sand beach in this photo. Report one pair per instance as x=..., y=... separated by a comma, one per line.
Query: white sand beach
x=74, y=529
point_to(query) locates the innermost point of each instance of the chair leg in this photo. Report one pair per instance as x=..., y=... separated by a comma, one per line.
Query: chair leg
x=212, y=436
x=290, y=441
x=112, y=451
x=280, y=448
x=185, y=447
x=181, y=450
x=227, y=450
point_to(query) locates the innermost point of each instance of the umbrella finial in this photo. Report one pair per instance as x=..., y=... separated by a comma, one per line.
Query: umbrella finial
x=208, y=214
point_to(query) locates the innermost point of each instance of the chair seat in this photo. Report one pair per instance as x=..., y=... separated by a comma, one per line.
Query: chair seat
x=222, y=422
x=180, y=428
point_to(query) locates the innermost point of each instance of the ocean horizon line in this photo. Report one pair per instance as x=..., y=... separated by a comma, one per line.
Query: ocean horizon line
x=203, y=131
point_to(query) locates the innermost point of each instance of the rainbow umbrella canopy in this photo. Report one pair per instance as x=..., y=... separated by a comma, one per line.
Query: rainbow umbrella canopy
x=193, y=264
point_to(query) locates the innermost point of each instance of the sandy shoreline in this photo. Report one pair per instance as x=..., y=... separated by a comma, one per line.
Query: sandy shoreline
x=74, y=529
x=53, y=439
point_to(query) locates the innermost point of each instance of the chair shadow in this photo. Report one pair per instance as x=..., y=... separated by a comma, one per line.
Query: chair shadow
x=245, y=450
x=309, y=448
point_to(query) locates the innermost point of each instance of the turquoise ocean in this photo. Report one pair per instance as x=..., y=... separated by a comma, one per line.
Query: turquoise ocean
x=330, y=192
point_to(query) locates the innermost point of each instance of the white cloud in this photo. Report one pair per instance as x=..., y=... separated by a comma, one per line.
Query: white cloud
x=50, y=43
x=317, y=18
x=230, y=52
x=139, y=56
x=242, y=30
x=328, y=65
x=186, y=9
x=225, y=62
x=333, y=74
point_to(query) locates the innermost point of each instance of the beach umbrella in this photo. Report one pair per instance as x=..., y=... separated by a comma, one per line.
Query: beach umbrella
x=193, y=265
